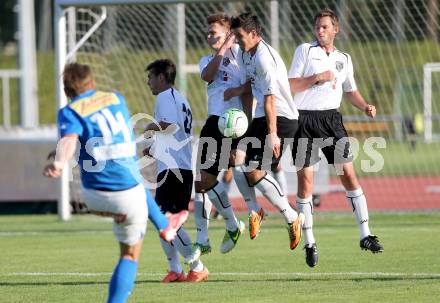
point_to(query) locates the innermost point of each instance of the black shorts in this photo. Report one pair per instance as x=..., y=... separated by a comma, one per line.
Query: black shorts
x=216, y=158
x=262, y=157
x=321, y=129
x=173, y=195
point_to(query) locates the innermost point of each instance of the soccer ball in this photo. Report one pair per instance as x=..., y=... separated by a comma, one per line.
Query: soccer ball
x=233, y=123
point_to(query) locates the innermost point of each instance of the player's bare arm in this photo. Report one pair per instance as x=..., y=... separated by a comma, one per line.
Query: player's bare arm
x=247, y=100
x=358, y=101
x=271, y=117
x=300, y=84
x=245, y=93
x=232, y=92
x=157, y=127
x=208, y=73
x=237, y=91
x=65, y=150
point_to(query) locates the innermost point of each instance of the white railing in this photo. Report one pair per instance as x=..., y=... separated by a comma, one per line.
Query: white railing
x=6, y=75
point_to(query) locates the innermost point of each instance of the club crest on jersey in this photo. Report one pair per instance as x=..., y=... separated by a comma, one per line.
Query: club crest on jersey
x=339, y=65
x=226, y=61
x=225, y=76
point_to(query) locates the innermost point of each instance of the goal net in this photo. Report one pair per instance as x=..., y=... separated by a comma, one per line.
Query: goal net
x=389, y=41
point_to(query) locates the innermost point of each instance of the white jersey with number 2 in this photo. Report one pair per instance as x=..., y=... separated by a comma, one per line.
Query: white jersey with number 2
x=173, y=151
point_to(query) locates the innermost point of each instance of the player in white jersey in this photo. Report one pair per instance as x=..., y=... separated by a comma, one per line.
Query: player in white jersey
x=318, y=76
x=172, y=152
x=275, y=117
x=221, y=71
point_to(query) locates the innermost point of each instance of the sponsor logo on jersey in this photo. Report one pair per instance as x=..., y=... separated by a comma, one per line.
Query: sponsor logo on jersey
x=87, y=106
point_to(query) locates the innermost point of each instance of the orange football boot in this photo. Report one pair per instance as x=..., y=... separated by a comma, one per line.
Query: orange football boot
x=174, y=277
x=194, y=276
x=295, y=230
x=255, y=219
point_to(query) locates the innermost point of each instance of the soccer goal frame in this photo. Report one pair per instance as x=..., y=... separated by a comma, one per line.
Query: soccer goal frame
x=388, y=61
x=428, y=116
x=65, y=49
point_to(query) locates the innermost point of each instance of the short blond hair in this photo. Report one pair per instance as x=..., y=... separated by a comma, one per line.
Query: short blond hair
x=220, y=18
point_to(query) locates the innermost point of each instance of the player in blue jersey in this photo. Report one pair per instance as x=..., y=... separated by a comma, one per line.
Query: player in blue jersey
x=110, y=176
x=167, y=225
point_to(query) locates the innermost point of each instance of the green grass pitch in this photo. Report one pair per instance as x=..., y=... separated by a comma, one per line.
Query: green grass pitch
x=44, y=260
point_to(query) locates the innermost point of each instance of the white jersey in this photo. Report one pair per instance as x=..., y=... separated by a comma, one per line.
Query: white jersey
x=268, y=76
x=310, y=59
x=173, y=152
x=227, y=76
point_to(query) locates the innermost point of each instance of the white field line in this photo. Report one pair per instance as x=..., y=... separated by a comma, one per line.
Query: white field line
x=238, y=274
x=149, y=231
x=52, y=233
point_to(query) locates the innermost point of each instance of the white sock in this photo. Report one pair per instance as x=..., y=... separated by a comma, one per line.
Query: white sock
x=202, y=210
x=172, y=256
x=305, y=206
x=219, y=198
x=196, y=266
x=272, y=191
x=248, y=192
x=184, y=246
x=358, y=202
x=183, y=243
x=280, y=176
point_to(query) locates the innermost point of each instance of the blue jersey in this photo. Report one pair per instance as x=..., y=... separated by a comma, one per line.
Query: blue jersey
x=107, y=156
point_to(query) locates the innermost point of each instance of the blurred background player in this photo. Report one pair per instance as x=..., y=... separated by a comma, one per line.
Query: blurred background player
x=110, y=175
x=275, y=115
x=318, y=75
x=174, y=164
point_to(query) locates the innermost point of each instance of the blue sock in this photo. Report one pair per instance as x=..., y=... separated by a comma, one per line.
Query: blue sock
x=122, y=281
x=156, y=216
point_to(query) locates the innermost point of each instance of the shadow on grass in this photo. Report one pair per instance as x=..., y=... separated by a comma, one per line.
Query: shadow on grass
x=71, y=283
x=322, y=279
